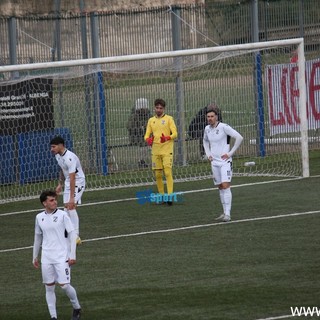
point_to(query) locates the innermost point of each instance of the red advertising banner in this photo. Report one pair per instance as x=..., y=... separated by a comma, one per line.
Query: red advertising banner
x=283, y=96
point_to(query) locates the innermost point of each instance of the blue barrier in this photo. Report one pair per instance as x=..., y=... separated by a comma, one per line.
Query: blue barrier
x=26, y=157
x=36, y=163
x=7, y=160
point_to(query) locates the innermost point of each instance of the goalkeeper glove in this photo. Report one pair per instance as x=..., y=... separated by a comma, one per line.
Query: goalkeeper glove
x=150, y=141
x=164, y=138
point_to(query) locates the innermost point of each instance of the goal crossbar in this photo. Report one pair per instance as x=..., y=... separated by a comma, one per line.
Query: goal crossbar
x=153, y=55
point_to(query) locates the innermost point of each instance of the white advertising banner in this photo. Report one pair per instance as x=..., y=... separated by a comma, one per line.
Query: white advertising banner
x=283, y=96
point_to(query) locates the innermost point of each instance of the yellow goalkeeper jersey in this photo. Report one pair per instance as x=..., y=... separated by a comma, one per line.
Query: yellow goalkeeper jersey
x=156, y=127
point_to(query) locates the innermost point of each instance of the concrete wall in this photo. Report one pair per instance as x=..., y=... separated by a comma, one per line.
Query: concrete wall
x=19, y=8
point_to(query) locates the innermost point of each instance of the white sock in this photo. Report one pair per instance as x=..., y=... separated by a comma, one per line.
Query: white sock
x=227, y=201
x=221, y=193
x=51, y=300
x=73, y=214
x=72, y=295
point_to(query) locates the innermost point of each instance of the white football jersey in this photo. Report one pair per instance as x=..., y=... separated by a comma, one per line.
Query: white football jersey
x=70, y=163
x=216, y=141
x=52, y=226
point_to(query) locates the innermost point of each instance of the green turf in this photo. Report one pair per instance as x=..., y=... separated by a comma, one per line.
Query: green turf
x=247, y=270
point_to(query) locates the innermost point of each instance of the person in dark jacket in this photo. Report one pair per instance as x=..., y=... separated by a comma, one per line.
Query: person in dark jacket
x=197, y=125
x=136, y=126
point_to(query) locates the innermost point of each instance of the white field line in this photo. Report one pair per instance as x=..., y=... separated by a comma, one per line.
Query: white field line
x=199, y=226
x=134, y=199
x=279, y=317
x=143, y=233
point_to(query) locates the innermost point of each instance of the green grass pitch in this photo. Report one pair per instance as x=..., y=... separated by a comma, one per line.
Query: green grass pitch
x=154, y=262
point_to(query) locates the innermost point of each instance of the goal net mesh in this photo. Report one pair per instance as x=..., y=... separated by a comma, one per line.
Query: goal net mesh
x=92, y=106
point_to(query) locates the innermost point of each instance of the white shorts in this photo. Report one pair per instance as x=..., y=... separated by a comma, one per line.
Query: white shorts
x=56, y=273
x=77, y=194
x=222, y=172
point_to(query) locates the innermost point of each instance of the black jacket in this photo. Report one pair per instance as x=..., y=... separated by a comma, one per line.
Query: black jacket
x=198, y=123
x=136, y=126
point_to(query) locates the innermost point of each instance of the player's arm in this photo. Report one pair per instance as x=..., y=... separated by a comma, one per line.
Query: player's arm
x=173, y=130
x=206, y=145
x=72, y=177
x=148, y=137
x=148, y=131
x=238, y=139
x=60, y=182
x=36, y=248
x=72, y=237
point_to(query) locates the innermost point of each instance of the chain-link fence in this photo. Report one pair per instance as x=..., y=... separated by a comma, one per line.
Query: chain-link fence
x=56, y=37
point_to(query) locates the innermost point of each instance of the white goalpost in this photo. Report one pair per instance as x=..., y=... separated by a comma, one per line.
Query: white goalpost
x=89, y=102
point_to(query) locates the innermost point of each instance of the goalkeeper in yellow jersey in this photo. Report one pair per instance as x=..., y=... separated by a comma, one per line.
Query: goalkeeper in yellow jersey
x=160, y=134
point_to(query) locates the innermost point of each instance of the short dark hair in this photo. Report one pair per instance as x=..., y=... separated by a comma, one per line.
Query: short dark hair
x=57, y=140
x=47, y=193
x=160, y=101
x=214, y=108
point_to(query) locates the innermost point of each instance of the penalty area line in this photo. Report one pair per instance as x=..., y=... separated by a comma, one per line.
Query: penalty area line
x=143, y=233
x=200, y=226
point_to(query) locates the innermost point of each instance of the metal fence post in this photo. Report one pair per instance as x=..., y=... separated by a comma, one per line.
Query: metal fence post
x=176, y=44
x=258, y=81
x=99, y=100
x=12, y=30
x=85, y=55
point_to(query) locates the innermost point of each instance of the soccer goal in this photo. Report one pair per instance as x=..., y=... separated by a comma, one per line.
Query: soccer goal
x=261, y=92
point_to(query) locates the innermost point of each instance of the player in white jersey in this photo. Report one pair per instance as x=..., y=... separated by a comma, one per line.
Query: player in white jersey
x=216, y=142
x=73, y=177
x=57, y=255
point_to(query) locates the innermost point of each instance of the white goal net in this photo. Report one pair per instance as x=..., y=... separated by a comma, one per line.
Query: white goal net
x=91, y=103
